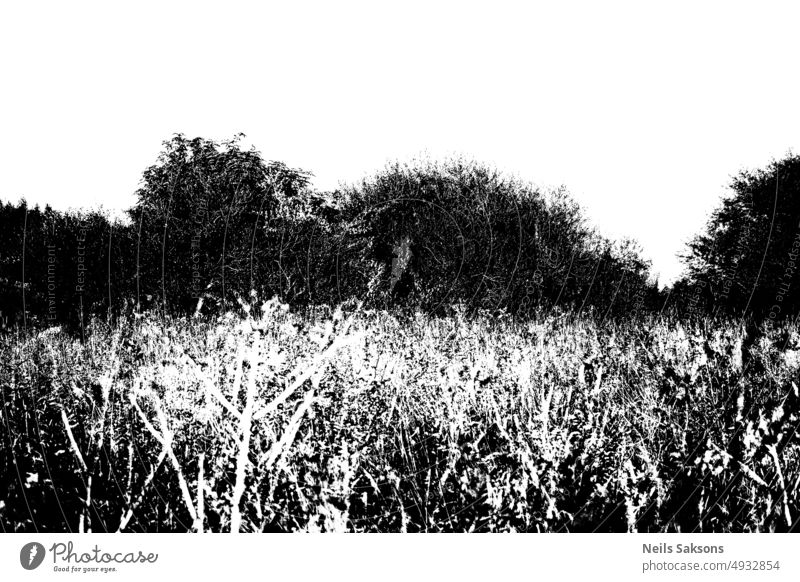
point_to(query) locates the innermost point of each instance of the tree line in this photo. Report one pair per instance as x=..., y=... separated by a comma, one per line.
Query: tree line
x=215, y=223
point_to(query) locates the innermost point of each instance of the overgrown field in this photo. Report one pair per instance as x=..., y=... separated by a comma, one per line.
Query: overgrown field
x=373, y=422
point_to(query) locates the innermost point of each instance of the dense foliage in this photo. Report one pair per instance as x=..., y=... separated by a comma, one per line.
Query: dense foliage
x=214, y=221
x=61, y=267
x=500, y=367
x=746, y=261
x=371, y=422
x=209, y=222
x=459, y=232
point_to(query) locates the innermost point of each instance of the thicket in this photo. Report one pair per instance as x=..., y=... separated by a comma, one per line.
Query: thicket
x=281, y=421
x=747, y=259
x=214, y=221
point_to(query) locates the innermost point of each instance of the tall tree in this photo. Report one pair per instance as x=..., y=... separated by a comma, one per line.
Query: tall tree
x=203, y=213
x=747, y=259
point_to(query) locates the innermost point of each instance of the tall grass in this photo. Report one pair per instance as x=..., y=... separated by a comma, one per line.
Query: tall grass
x=367, y=421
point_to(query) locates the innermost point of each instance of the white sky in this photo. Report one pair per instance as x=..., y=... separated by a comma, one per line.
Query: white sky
x=642, y=111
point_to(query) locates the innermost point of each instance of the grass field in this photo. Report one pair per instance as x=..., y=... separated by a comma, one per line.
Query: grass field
x=366, y=421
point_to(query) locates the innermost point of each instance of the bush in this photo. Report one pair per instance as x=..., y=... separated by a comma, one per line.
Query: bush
x=745, y=263
x=459, y=232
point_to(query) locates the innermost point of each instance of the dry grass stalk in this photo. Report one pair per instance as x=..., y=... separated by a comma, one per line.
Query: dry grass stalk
x=245, y=428
x=126, y=518
x=773, y=451
x=165, y=438
x=84, y=518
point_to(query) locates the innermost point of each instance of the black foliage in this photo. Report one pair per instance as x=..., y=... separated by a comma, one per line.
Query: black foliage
x=208, y=223
x=460, y=232
x=60, y=267
x=746, y=261
x=215, y=222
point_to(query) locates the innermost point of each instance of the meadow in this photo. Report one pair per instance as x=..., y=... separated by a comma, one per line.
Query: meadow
x=353, y=420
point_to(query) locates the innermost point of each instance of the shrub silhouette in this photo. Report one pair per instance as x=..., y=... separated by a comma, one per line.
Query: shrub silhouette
x=214, y=222
x=203, y=218
x=60, y=267
x=745, y=262
x=460, y=232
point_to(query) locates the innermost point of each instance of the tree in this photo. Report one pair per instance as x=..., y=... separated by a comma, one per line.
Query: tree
x=746, y=260
x=431, y=234
x=205, y=223
x=59, y=267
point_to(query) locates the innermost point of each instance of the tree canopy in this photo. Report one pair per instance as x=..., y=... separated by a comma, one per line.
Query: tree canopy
x=214, y=222
x=203, y=213
x=746, y=260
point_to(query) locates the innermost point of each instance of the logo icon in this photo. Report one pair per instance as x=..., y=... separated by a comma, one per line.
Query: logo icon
x=31, y=555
